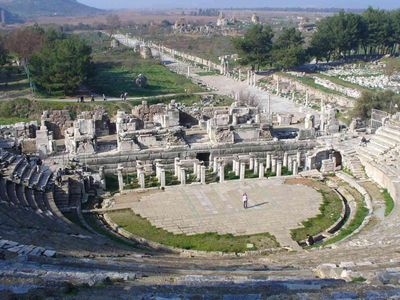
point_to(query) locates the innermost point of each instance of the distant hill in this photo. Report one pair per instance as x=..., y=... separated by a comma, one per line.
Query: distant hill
x=37, y=8
x=9, y=18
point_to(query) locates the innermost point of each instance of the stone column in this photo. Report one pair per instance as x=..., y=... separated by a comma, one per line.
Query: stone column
x=279, y=168
x=268, y=162
x=261, y=171
x=162, y=178
x=183, y=176
x=273, y=165
x=141, y=179
x=176, y=161
x=237, y=167
x=298, y=158
x=295, y=168
x=285, y=159
x=308, y=165
x=120, y=177
x=242, y=170
x=233, y=165
x=290, y=164
x=179, y=167
x=203, y=174
x=221, y=172
x=255, y=167
x=198, y=173
x=195, y=166
x=215, y=165
x=251, y=163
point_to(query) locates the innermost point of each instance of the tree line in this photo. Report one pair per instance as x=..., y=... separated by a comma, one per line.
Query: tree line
x=55, y=62
x=373, y=32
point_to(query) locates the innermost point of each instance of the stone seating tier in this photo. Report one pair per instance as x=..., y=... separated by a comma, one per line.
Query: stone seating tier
x=384, y=141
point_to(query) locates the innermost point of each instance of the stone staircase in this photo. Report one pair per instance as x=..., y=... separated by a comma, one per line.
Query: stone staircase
x=385, y=139
x=353, y=163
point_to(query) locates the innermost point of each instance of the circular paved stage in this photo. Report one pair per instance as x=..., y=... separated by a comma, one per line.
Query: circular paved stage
x=274, y=207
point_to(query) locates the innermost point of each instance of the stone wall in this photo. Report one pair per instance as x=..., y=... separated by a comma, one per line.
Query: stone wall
x=128, y=159
x=313, y=92
x=377, y=174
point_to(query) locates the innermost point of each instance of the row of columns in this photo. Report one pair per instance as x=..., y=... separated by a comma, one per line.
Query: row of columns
x=199, y=170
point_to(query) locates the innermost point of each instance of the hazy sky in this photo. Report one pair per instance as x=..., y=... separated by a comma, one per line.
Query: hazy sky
x=156, y=4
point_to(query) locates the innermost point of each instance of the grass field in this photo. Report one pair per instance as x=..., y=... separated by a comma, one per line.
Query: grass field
x=13, y=83
x=355, y=223
x=389, y=203
x=204, y=242
x=116, y=70
x=331, y=208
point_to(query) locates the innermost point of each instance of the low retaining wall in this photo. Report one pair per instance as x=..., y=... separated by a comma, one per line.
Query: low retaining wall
x=367, y=199
x=391, y=183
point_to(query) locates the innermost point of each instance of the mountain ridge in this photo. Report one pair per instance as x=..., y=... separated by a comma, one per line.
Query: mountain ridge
x=36, y=8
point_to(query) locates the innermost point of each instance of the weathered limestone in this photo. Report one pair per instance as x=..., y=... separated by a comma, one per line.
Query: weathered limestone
x=198, y=171
x=285, y=159
x=279, y=169
x=251, y=163
x=179, y=169
x=237, y=166
x=221, y=173
x=261, y=171
x=290, y=163
x=183, y=176
x=120, y=178
x=141, y=178
x=203, y=174
x=242, y=170
x=255, y=167
x=295, y=168
x=215, y=165
x=298, y=158
x=176, y=161
x=268, y=161
x=162, y=178
x=273, y=165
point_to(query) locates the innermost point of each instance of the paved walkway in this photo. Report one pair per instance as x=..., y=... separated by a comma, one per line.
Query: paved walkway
x=228, y=86
x=274, y=207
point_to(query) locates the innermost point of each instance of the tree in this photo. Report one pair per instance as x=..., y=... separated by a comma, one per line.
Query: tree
x=385, y=100
x=61, y=66
x=256, y=46
x=113, y=23
x=322, y=43
x=3, y=53
x=392, y=66
x=288, y=49
x=24, y=42
x=380, y=30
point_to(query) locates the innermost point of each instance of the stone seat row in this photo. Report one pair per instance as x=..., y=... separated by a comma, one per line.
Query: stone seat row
x=386, y=138
x=20, y=195
x=21, y=249
x=27, y=173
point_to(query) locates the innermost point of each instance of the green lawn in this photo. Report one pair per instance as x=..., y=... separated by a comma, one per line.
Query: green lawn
x=330, y=209
x=116, y=70
x=204, y=242
x=389, y=203
x=13, y=83
x=358, y=219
